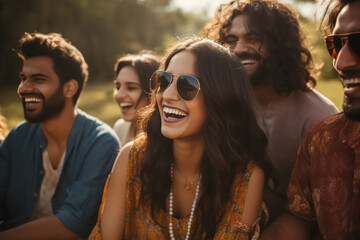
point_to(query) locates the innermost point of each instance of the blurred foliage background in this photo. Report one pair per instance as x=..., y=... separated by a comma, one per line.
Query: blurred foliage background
x=103, y=30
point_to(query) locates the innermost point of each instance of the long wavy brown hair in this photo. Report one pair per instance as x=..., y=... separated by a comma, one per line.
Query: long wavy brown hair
x=290, y=62
x=232, y=136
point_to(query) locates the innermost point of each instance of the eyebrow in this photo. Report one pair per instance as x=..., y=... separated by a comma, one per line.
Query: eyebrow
x=248, y=34
x=229, y=36
x=36, y=75
x=128, y=82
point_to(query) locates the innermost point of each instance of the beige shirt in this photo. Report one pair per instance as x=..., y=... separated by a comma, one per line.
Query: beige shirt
x=125, y=131
x=48, y=186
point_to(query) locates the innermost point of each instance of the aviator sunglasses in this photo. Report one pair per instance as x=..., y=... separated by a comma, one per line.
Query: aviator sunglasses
x=187, y=86
x=335, y=43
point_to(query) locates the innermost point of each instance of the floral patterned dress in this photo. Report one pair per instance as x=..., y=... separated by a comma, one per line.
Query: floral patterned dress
x=140, y=225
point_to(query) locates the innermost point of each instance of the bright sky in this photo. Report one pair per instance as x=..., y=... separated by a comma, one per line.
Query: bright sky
x=199, y=6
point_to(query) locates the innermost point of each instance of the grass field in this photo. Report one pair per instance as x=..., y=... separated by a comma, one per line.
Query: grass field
x=97, y=100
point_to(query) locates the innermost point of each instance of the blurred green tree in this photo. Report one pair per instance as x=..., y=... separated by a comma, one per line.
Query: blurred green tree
x=101, y=30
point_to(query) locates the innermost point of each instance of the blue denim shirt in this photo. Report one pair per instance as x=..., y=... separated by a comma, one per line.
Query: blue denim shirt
x=91, y=149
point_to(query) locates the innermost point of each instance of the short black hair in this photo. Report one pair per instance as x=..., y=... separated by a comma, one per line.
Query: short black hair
x=69, y=63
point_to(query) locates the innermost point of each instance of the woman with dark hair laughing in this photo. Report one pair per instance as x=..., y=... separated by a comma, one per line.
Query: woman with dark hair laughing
x=197, y=170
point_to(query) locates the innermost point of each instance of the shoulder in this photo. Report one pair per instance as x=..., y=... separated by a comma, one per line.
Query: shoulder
x=315, y=102
x=333, y=124
x=132, y=153
x=121, y=123
x=242, y=180
x=256, y=175
x=24, y=131
x=91, y=128
x=124, y=130
x=25, y=126
x=123, y=157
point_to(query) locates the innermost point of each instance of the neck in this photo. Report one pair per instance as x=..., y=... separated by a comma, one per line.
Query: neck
x=266, y=94
x=188, y=155
x=57, y=129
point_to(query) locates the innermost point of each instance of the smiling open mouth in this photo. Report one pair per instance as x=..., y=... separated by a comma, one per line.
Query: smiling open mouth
x=32, y=100
x=248, y=61
x=351, y=82
x=172, y=113
x=126, y=106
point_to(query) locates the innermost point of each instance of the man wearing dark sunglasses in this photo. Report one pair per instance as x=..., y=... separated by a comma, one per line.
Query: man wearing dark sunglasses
x=265, y=36
x=323, y=195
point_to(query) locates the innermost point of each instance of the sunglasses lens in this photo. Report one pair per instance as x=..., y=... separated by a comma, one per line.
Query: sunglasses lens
x=187, y=87
x=354, y=43
x=159, y=81
x=338, y=44
x=330, y=44
x=335, y=43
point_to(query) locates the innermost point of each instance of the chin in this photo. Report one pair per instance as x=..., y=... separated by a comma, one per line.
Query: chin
x=168, y=134
x=351, y=109
x=352, y=115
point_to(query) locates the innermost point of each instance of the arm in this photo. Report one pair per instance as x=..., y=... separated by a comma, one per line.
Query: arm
x=237, y=222
x=44, y=228
x=113, y=220
x=287, y=227
x=253, y=197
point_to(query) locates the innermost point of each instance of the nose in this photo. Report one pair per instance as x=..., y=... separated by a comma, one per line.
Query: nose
x=170, y=92
x=346, y=59
x=25, y=87
x=240, y=47
x=120, y=94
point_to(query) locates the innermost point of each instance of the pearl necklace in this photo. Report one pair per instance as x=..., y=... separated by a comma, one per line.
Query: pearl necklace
x=171, y=210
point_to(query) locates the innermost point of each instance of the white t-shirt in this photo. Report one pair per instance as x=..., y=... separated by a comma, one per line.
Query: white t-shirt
x=48, y=186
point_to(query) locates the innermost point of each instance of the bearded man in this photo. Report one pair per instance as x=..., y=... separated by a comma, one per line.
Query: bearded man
x=323, y=195
x=53, y=166
x=266, y=37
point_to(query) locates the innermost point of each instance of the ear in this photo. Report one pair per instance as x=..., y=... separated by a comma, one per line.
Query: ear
x=70, y=88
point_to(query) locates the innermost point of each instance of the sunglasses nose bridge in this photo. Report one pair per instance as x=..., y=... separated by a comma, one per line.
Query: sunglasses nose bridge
x=171, y=92
x=343, y=41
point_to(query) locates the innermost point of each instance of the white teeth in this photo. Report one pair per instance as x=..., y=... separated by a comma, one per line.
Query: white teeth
x=247, y=61
x=32, y=100
x=125, y=104
x=351, y=81
x=174, y=111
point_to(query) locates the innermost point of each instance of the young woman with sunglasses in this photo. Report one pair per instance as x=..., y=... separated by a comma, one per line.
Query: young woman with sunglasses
x=133, y=72
x=196, y=170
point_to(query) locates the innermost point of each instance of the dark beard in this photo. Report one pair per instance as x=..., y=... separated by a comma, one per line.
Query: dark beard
x=261, y=74
x=51, y=107
x=352, y=115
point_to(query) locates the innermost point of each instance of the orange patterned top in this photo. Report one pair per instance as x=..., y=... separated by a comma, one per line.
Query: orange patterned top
x=140, y=225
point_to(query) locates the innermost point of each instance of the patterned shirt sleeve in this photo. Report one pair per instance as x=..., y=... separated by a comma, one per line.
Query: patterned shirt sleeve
x=300, y=194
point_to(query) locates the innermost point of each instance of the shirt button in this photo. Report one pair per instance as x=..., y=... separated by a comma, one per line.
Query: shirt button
x=344, y=141
x=41, y=172
x=35, y=194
